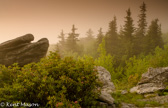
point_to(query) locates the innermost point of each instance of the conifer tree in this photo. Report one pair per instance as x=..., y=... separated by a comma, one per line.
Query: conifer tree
x=62, y=37
x=99, y=37
x=142, y=24
x=153, y=38
x=128, y=30
x=71, y=42
x=89, y=34
x=112, y=32
x=61, y=45
x=90, y=46
x=111, y=38
x=141, y=31
x=120, y=34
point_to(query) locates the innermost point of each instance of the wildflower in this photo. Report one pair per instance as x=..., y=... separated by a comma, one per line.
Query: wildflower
x=76, y=101
x=59, y=104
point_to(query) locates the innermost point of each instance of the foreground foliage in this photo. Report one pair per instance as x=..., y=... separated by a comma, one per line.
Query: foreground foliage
x=52, y=82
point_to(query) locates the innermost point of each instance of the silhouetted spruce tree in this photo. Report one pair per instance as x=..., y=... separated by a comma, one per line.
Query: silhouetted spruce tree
x=141, y=31
x=61, y=45
x=71, y=41
x=99, y=37
x=62, y=38
x=90, y=44
x=120, y=34
x=153, y=38
x=128, y=30
x=142, y=24
x=111, y=38
x=89, y=34
x=121, y=43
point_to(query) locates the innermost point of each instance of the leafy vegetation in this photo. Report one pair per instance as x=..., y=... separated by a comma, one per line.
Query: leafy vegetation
x=104, y=59
x=136, y=66
x=52, y=82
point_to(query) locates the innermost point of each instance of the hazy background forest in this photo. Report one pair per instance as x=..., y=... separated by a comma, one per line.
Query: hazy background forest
x=121, y=44
x=123, y=50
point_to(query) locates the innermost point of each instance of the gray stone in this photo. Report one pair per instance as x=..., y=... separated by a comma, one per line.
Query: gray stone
x=124, y=92
x=20, y=50
x=155, y=75
x=126, y=105
x=108, y=87
x=147, y=88
x=106, y=97
x=105, y=105
x=105, y=78
x=150, y=95
x=154, y=80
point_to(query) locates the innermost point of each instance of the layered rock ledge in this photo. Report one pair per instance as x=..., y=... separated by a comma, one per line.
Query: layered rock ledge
x=154, y=80
x=20, y=50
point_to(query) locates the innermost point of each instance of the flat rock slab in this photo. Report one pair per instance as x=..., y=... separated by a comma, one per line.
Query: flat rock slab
x=20, y=50
x=154, y=80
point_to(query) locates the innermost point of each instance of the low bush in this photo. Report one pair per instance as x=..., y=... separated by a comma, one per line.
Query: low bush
x=52, y=82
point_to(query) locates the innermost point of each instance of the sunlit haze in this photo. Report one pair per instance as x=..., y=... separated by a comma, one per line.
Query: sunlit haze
x=46, y=18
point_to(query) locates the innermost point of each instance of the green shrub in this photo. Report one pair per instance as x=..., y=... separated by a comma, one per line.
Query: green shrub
x=136, y=66
x=7, y=74
x=52, y=82
x=105, y=60
x=160, y=57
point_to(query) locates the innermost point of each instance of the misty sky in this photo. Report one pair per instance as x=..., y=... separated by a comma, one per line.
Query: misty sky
x=46, y=18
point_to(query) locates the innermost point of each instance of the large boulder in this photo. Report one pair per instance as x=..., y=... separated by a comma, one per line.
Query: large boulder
x=20, y=50
x=108, y=87
x=154, y=80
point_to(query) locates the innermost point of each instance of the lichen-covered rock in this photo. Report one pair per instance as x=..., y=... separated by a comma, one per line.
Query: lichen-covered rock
x=22, y=51
x=154, y=80
x=108, y=87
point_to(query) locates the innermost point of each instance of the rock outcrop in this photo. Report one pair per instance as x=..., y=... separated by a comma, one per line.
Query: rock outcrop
x=154, y=80
x=108, y=86
x=22, y=51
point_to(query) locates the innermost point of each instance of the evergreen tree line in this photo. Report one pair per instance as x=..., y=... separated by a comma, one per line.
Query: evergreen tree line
x=129, y=41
